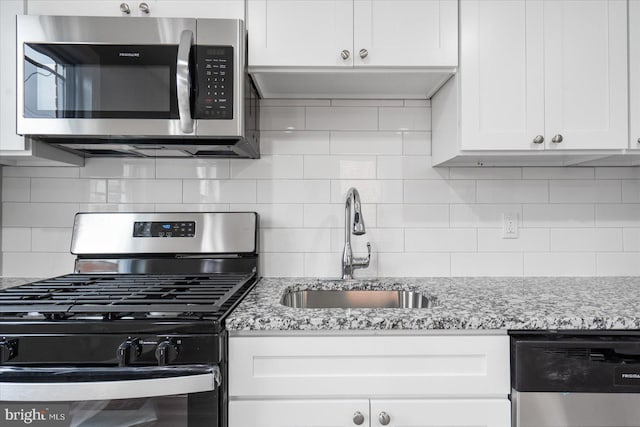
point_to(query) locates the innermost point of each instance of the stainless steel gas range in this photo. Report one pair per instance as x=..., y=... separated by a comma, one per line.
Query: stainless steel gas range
x=135, y=336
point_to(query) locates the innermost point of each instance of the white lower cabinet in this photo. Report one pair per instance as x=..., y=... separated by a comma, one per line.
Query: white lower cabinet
x=369, y=380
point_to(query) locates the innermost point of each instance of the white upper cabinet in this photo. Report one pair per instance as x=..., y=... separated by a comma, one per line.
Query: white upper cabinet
x=409, y=33
x=352, y=48
x=535, y=76
x=586, y=74
x=634, y=73
x=226, y=9
x=310, y=33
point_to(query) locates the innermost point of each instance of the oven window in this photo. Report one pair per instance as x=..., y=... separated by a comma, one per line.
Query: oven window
x=99, y=81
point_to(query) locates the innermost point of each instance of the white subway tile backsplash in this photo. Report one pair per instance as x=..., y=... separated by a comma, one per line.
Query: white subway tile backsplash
x=409, y=167
x=617, y=215
x=51, y=240
x=560, y=264
x=267, y=167
x=618, y=264
x=441, y=240
x=586, y=240
x=294, y=191
x=421, y=221
x=38, y=214
x=282, y=264
x=296, y=239
x=485, y=173
x=416, y=143
x=617, y=173
x=16, y=239
x=631, y=239
x=585, y=191
x=414, y=264
x=529, y=240
x=144, y=191
x=16, y=189
x=119, y=168
x=219, y=191
x=405, y=118
x=432, y=191
x=68, y=190
x=339, y=167
x=481, y=215
x=557, y=173
x=630, y=191
x=512, y=191
x=342, y=118
x=41, y=171
x=36, y=264
x=366, y=143
x=413, y=216
x=371, y=191
x=367, y=102
x=558, y=215
x=289, y=142
x=466, y=264
x=192, y=168
x=282, y=118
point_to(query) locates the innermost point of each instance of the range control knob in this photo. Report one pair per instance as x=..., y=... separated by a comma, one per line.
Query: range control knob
x=167, y=351
x=129, y=351
x=8, y=349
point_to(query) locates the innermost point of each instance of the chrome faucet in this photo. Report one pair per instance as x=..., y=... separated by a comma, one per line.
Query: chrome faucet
x=349, y=262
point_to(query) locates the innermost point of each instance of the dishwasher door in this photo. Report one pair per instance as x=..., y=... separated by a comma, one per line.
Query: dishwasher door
x=537, y=409
x=576, y=380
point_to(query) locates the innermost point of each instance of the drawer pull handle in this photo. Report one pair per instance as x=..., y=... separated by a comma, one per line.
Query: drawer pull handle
x=384, y=418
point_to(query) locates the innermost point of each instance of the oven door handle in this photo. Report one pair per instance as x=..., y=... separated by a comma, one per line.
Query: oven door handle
x=183, y=81
x=152, y=382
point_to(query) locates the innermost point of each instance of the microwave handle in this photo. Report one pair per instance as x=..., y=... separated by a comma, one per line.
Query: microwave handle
x=183, y=81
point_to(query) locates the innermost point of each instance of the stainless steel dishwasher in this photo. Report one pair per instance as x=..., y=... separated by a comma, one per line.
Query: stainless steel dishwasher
x=575, y=379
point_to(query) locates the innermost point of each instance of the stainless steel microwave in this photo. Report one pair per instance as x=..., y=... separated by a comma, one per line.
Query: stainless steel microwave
x=147, y=87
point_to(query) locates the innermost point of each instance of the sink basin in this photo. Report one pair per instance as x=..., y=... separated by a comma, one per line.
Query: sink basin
x=355, y=299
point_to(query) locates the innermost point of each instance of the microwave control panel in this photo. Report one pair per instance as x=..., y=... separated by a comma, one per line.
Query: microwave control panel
x=214, y=99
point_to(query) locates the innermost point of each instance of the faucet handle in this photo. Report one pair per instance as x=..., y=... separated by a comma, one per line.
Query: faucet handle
x=363, y=262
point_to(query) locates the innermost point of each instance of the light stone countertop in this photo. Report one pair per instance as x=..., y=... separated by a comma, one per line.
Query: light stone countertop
x=482, y=303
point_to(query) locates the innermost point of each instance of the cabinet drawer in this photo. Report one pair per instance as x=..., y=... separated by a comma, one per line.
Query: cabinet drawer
x=369, y=366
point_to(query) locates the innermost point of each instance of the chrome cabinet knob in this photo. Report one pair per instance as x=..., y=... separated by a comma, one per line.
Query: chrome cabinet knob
x=358, y=418
x=144, y=8
x=124, y=8
x=538, y=139
x=345, y=54
x=638, y=140
x=557, y=139
x=363, y=53
x=384, y=418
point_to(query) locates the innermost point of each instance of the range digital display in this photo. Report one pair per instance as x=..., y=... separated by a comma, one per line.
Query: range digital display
x=164, y=229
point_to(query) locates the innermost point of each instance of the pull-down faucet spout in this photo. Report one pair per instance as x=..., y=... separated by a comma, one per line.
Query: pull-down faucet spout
x=355, y=226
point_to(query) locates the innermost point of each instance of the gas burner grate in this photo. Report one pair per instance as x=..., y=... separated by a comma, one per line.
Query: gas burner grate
x=117, y=295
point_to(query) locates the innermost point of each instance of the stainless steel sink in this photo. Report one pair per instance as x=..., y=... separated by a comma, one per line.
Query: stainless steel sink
x=355, y=299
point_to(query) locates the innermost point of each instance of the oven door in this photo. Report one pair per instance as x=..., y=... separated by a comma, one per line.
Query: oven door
x=179, y=396
x=97, y=76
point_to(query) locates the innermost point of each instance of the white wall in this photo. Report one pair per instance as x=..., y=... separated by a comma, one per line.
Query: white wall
x=421, y=221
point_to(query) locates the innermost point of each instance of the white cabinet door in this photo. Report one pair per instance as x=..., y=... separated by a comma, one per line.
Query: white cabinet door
x=413, y=33
x=221, y=9
x=502, y=74
x=298, y=413
x=79, y=7
x=8, y=138
x=290, y=33
x=634, y=73
x=445, y=412
x=586, y=73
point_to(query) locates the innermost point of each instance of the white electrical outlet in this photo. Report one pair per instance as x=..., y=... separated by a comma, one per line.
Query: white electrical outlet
x=510, y=225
